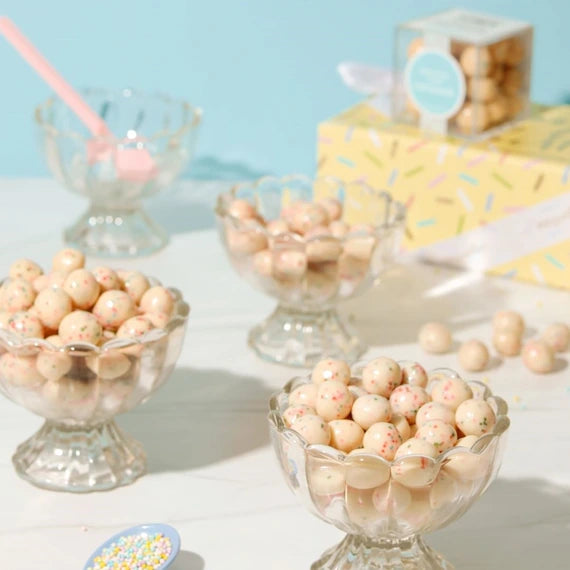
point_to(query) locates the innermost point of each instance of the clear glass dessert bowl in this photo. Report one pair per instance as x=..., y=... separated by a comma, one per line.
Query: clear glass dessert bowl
x=79, y=389
x=153, y=140
x=309, y=274
x=385, y=507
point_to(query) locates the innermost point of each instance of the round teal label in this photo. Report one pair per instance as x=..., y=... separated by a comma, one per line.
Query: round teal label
x=435, y=83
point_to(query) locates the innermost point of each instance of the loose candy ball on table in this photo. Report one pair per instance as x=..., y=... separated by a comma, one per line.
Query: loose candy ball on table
x=381, y=376
x=371, y=409
x=415, y=471
x=538, y=357
x=441, y=435
x=434, y=411
x=508, y=321
x=414, y=374
x=384, y=439
x=557, y=337
x=25, y=269
x=473, y=356
x=313, y=428
x=26, y=325
x=67, y=260
x=82, y=288
x=80, y=327
x=451, y=392
x=17, y=295
x=52, y=305
x=435, y=338
x=113, y=308
x=507, y=343
x=330, y=369
x=475, y=417
x=407, y=400
x=334, y=400
x=346, y=435
x=305, y=394
x=293, y=413
x=107, y=278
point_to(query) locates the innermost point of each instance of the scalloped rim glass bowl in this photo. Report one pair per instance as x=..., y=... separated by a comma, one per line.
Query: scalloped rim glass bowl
x=306, y=325
x=383, y=517
x=82, y=387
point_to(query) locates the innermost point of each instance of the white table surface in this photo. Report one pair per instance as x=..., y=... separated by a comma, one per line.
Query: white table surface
x=211, y=472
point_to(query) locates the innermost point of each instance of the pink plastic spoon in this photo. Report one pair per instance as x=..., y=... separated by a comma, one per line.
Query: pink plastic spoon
x=131, y=163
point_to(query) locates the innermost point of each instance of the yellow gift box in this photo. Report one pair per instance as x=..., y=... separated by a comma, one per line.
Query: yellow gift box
x=501, y=206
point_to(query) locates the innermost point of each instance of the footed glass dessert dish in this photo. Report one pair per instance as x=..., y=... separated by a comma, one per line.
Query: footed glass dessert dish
x=296, y=240
x=79, y=389
x=153, y=140
x=385, y=507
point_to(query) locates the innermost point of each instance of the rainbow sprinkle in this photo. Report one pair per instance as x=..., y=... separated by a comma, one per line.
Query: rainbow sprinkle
x=489, y=202
x=502, y=181
x=135, y=552
x=426, y=223
x=373, y=159
x=469, y=179
x=345, y=161
x=393, y=176
x=551, y=259
x=437, y=180
x=413, y=171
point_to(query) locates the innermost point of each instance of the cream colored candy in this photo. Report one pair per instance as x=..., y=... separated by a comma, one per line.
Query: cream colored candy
x=134, y=327
x=475, y=417
x=381, y=376
x=293, y=413
x=352, y=269
x=246, y=241
x=346, y=435
x=414, y=374
x=466, y=465
x=108, y=365
x=371, y=409
x=382, y=438
x=507, y=343
x=107, y=278
x=451, y=392
x=114, y=307
x=20, y=370
x=263, y=262
x=360, y=508
x=360, y=247
x=402, y=425
x=321, y=246
x=508, y=321
x=70, y=395
x=52, y=364
x=308, y=217
x=415, y=471
x=441, y=435
x=26, y=325
x=365, y=469
x=136, y=285
x=67, y=260
x=339, y=229
x=557, y=337
x=333, y=208
x=25, y=269
x=305, y=394
x=326, y=480
x=476, y=61
x=435, y=338
x=443, y=491
x=334, y=400
x=392, y=499
x=82, y=288
x=80, y=327
x=4, y=318
x=314, y=429
x=497, y=110
x=538, y=357
x=40, y=283
x=276, y=227
x=289, y=264
x=242, y=209
x=330, y=369
x=473, y=356
x=473, y=118
x=56, y=279
x=482, y=89
x=17, y=295
x=51, y=306
x=407, y=400
x=356, y=389
x=434, y=411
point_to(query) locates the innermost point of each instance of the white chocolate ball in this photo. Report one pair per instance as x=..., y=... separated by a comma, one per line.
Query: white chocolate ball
x=114, y=307
x=346, y=435
x=51, y=306
x=508, y=321
x=435, y=338
x=381, y=376
x=277, y=227
x=482, y=89
x=538, y=357
x=360, y=247
x=497, y=110
x=465, y=465
x=407, y=400
x=313, y=428
x=107, y=278
x=441, y=435
x=108, y=365
x=289, y=264
x=322, y=247
x=473, y=118
x=52, y=365
x=242, y=209
x=67, y=260
x=158, y=320
x=134, y=327
x=333, y=208
x=136, y=285
x=557, y=337
x=157, y=300
x=4, y=318
x=414, y=374
x=17, y=295
x=80, y=327
x=308, y=217
x=326, y=480
x=475, y=417
x=247, y=240
x=334, y=400
x=402, y=425
x=473, y=355
x=391, y=499
x=364, y=471
x=443, y=492
x=25, y=269
x=382, y=438
x=339, y=229
x=330, y=369
x=415, y=471
x=56, y=279
x=26, y=325
x=476, y=60
x=293, y=413
x=305, y=394
x=40, y=283
x=451, y=392
x=82, y=288
x=263, y=262
x=20, y=370
x=434, y=411
x=371, y=409
x=507, y=343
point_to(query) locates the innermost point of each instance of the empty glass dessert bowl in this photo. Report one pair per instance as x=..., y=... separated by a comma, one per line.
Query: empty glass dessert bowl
x=78, y=389
x=309, y=243
x=385, y=506
x=153, y=139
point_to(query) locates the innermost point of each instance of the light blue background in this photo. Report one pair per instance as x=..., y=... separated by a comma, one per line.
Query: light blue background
x=264, y=71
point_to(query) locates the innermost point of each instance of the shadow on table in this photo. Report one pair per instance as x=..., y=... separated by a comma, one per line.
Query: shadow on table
x=521, y=524
x=188, y=561
x=200, y=417
x=411, y=295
